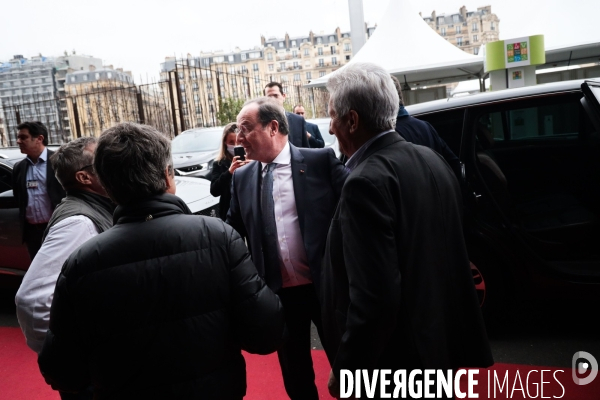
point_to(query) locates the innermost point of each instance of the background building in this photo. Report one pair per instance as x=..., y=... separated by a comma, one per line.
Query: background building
x=467, y=30
x=33, y=89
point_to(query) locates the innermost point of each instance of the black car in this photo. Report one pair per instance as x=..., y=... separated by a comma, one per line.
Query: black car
x=531, y=188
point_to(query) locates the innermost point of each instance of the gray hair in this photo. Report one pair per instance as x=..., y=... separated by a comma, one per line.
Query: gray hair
x=367, y=89
x=131, y=160
x=71, y=158
x=269, y=110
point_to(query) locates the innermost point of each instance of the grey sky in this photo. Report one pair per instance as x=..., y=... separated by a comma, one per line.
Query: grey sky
x=137, y=35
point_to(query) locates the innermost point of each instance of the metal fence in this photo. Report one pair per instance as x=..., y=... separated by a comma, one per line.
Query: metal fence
x=186, y=97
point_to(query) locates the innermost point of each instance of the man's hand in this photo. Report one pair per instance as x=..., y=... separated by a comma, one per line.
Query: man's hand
x=308, y=134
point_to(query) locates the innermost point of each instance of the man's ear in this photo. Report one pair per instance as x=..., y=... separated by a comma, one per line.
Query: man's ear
x=83, y=178
x=353, y=120
x=274, y=125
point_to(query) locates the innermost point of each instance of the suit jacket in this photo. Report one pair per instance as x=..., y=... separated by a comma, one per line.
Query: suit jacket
x=297, y=125
x=315, y=140
x=318, y=178
x=397, y=290
x=55, y=190
x=421, y=132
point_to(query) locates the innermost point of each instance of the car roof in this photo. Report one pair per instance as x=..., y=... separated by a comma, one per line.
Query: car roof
x=490, y=97
x=196, y=130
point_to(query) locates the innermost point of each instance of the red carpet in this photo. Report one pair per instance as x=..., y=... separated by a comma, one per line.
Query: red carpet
x=20, y=377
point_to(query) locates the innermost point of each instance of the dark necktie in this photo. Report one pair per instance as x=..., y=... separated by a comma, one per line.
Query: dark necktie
x=270, y=243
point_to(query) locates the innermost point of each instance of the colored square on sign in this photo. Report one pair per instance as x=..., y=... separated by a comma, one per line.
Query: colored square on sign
x=524, y=50
x=509, y=47
x=511, y=59
x=510, y=53
x=523, y=45
x=517, y=58
x=524, y=57
x=517, y=46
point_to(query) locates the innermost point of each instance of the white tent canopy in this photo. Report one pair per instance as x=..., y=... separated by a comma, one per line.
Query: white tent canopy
x=405, y=45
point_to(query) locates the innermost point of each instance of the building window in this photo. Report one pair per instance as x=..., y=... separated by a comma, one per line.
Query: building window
x=209, y=85
x=195, y=86
x=319, y=40
x=321, y=74
x=333, y=60
x=474, y=27
x=321, y=62
x=320, y=51
x=293, y=43
x=73, y=78
x=476, y=50
x=331, y=39
x=270, y=67
x=458, y=29
x=475, y=39
x=346, y=46
x=281, y=45
x=256, y=79
x=230, y=58
x=308, y=75
x=459, y=41
x=493, y=27
x=455, y=18
x=255, y=67
x=270, y=56
x=97, y=74
x=182, y=87
x=332, y=48
x=444, y=31
x=306, y=52
x=284, y=78
x=294, y=53
x=282, y=66
x=296, y=77
x=85, y=77
x=296, y=65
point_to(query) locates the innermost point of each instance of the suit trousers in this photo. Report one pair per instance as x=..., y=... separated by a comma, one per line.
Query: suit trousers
x=32, y=236
x=301, y=306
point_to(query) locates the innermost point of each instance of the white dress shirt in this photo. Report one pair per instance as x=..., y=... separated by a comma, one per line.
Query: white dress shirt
x=292, y=254
x=34, y=297
x=39, y=207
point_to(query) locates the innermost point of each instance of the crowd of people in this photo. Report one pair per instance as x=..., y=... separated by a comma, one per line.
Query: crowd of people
x=130, y=296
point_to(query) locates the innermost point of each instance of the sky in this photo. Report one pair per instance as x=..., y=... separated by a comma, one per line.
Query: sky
x=138, y=35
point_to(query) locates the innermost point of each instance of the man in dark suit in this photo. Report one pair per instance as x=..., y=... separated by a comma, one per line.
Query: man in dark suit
x=421, y=132
x=296, y=124
x=34, y=185
x=397, y=290
x=315, y=140
x=283, y=203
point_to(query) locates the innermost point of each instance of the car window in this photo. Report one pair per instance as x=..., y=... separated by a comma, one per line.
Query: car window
x=448, y=125
x=540, y=122
x=197, y=141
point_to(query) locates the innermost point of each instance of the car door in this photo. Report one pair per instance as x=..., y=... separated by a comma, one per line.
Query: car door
x=14, y=259
x=534, y=173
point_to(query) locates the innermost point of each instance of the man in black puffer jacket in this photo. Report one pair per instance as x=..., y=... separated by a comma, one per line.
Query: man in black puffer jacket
x=161, y=305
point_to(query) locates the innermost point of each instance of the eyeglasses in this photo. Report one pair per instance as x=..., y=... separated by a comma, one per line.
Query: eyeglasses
x=241, y=129
x=84, y=167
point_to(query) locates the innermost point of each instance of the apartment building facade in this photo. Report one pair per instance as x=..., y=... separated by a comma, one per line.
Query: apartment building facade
x=467, y=30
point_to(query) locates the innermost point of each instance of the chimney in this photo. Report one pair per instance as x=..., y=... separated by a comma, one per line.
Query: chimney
x=92, y=67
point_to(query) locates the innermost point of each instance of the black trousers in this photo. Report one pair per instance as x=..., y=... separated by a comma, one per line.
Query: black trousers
x=32, y=236
x=301, y=306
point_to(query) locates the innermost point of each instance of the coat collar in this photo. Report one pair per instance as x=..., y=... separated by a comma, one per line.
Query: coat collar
x=384, y=141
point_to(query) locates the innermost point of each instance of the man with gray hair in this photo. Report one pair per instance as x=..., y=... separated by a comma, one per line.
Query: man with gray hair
x=397, y=289
x=161, y=305
x=283, y=203
x=85, y=212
